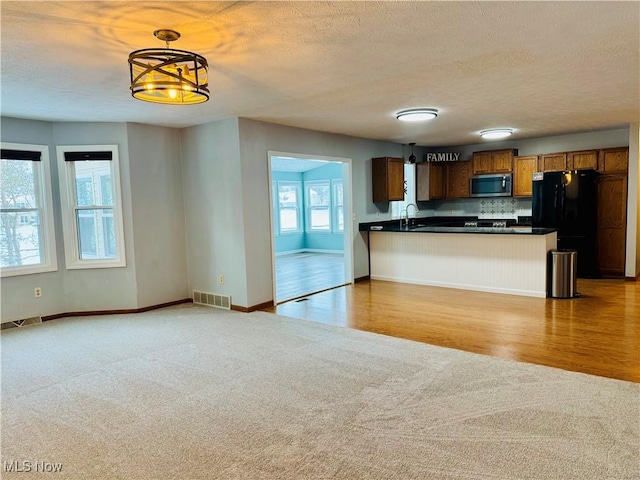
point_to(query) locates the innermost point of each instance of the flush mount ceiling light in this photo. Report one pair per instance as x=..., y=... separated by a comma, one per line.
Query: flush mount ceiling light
x=167, y=75
x=417, y=114
x=493, y=133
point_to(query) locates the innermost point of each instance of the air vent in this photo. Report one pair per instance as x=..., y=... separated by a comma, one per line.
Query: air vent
x=22, y=322
x=212, y=299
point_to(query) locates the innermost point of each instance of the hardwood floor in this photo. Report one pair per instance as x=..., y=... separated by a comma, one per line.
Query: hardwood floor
x=300, y=274
x=598, y=334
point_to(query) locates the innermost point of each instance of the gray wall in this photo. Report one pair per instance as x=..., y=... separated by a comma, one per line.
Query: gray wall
x=214, y=202
x=17, y=299
x=256, y=139
x=196, y=206
x=158, y=214
x=154, y=240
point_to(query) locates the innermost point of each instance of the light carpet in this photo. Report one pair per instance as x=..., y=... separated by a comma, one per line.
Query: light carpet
x=192, y=392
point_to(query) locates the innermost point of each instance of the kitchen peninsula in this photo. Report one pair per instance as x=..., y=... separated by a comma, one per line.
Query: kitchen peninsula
x=511, y=260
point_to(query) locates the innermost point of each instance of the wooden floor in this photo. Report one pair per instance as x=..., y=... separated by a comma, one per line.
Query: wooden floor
x=300, y=274
x=598, y=334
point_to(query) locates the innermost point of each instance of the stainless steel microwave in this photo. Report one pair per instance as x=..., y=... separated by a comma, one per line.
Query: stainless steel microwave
x=492, y=185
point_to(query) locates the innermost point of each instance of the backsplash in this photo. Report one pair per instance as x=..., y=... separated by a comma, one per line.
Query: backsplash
x=485, y=208
x=499, y=208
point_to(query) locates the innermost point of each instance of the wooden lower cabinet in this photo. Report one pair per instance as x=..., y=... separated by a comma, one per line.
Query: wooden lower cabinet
x=612, y=222
x=523, y=169
x=458, y=175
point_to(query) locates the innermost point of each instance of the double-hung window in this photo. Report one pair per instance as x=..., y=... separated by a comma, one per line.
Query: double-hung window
x=91, y=206
x=338, y=206
x=318, y=202
x=27, y=236
x=289, y=200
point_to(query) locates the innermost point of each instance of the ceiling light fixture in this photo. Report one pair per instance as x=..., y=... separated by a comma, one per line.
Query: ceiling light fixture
x=494, y=133
x=167, y=75
x=417, y=114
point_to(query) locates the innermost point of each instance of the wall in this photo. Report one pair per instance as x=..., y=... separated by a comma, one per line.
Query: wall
x=256, y=139
x=324, y=241
x=151, y=189
x=16, y=293
x=218, y=192
x=157, y=214
x=632, y=269
x=289, y=241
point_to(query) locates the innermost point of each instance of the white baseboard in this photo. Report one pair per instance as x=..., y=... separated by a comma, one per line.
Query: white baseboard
x=308, y=250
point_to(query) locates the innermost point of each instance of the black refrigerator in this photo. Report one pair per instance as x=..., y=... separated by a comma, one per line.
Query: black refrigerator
x=567, y=201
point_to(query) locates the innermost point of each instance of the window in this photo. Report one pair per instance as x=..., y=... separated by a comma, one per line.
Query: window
x=91, y=206
x=338, y=206
x=27, y=236
x=397, y=208
x=289, y=207
x=318, y=201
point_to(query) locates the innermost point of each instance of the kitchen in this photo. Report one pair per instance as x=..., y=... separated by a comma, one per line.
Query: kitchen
x=451, y=190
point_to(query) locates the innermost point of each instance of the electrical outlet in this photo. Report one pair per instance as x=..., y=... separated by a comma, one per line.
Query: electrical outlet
x=37, y=292
x=221, y=279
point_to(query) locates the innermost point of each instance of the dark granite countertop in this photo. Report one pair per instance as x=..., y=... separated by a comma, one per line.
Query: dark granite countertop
x=449, y=225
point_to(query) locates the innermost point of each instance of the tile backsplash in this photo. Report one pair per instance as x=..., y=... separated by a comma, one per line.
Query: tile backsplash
x=486, y=208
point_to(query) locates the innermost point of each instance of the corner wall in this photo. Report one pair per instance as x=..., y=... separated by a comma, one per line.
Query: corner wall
x=632, y=266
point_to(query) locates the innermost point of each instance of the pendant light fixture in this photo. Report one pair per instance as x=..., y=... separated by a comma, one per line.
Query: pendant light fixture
x=412, y=157
x=167, y=75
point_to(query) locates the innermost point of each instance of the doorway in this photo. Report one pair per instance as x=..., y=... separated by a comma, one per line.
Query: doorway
x=311, y=227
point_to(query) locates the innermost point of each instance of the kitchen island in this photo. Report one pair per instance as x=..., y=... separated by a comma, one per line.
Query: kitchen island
x=511, y=260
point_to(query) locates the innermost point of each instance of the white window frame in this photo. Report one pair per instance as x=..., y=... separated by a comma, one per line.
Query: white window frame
x=44, y=200
x=334, y=206
x=298, y=186
x=68, y=197
x=307, y=201
x=398, y=207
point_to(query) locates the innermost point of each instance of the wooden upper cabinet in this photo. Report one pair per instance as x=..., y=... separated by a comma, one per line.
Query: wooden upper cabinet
x=429, y=181
x=387, y=179
x=502, y=161
x=493, y=161
x=584, y=160
x=554, y=162
x=523, y=169
x=458, y=175
x=481, y=163
x=613, y=160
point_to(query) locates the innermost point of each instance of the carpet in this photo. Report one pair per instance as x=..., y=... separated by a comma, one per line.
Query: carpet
x=191, y=392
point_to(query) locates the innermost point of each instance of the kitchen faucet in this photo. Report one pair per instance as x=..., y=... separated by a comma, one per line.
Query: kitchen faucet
x=406, y=214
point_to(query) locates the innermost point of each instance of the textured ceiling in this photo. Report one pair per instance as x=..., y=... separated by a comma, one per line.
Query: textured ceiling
x=542, y=68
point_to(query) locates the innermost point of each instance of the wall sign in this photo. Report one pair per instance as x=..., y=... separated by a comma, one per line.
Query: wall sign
x=442, y=157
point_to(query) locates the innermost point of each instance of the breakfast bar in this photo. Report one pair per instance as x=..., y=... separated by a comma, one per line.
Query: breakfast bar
x=500, y=260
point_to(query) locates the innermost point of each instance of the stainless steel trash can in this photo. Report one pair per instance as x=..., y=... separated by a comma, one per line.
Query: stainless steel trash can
x=563, y=270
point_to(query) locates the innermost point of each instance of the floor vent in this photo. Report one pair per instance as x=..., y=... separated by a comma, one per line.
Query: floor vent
x=22, y=323
x=212, y=299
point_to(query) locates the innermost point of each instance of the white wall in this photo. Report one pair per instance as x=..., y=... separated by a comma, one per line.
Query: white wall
x=214, y=198
x=157, y=214
x=632, y=267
